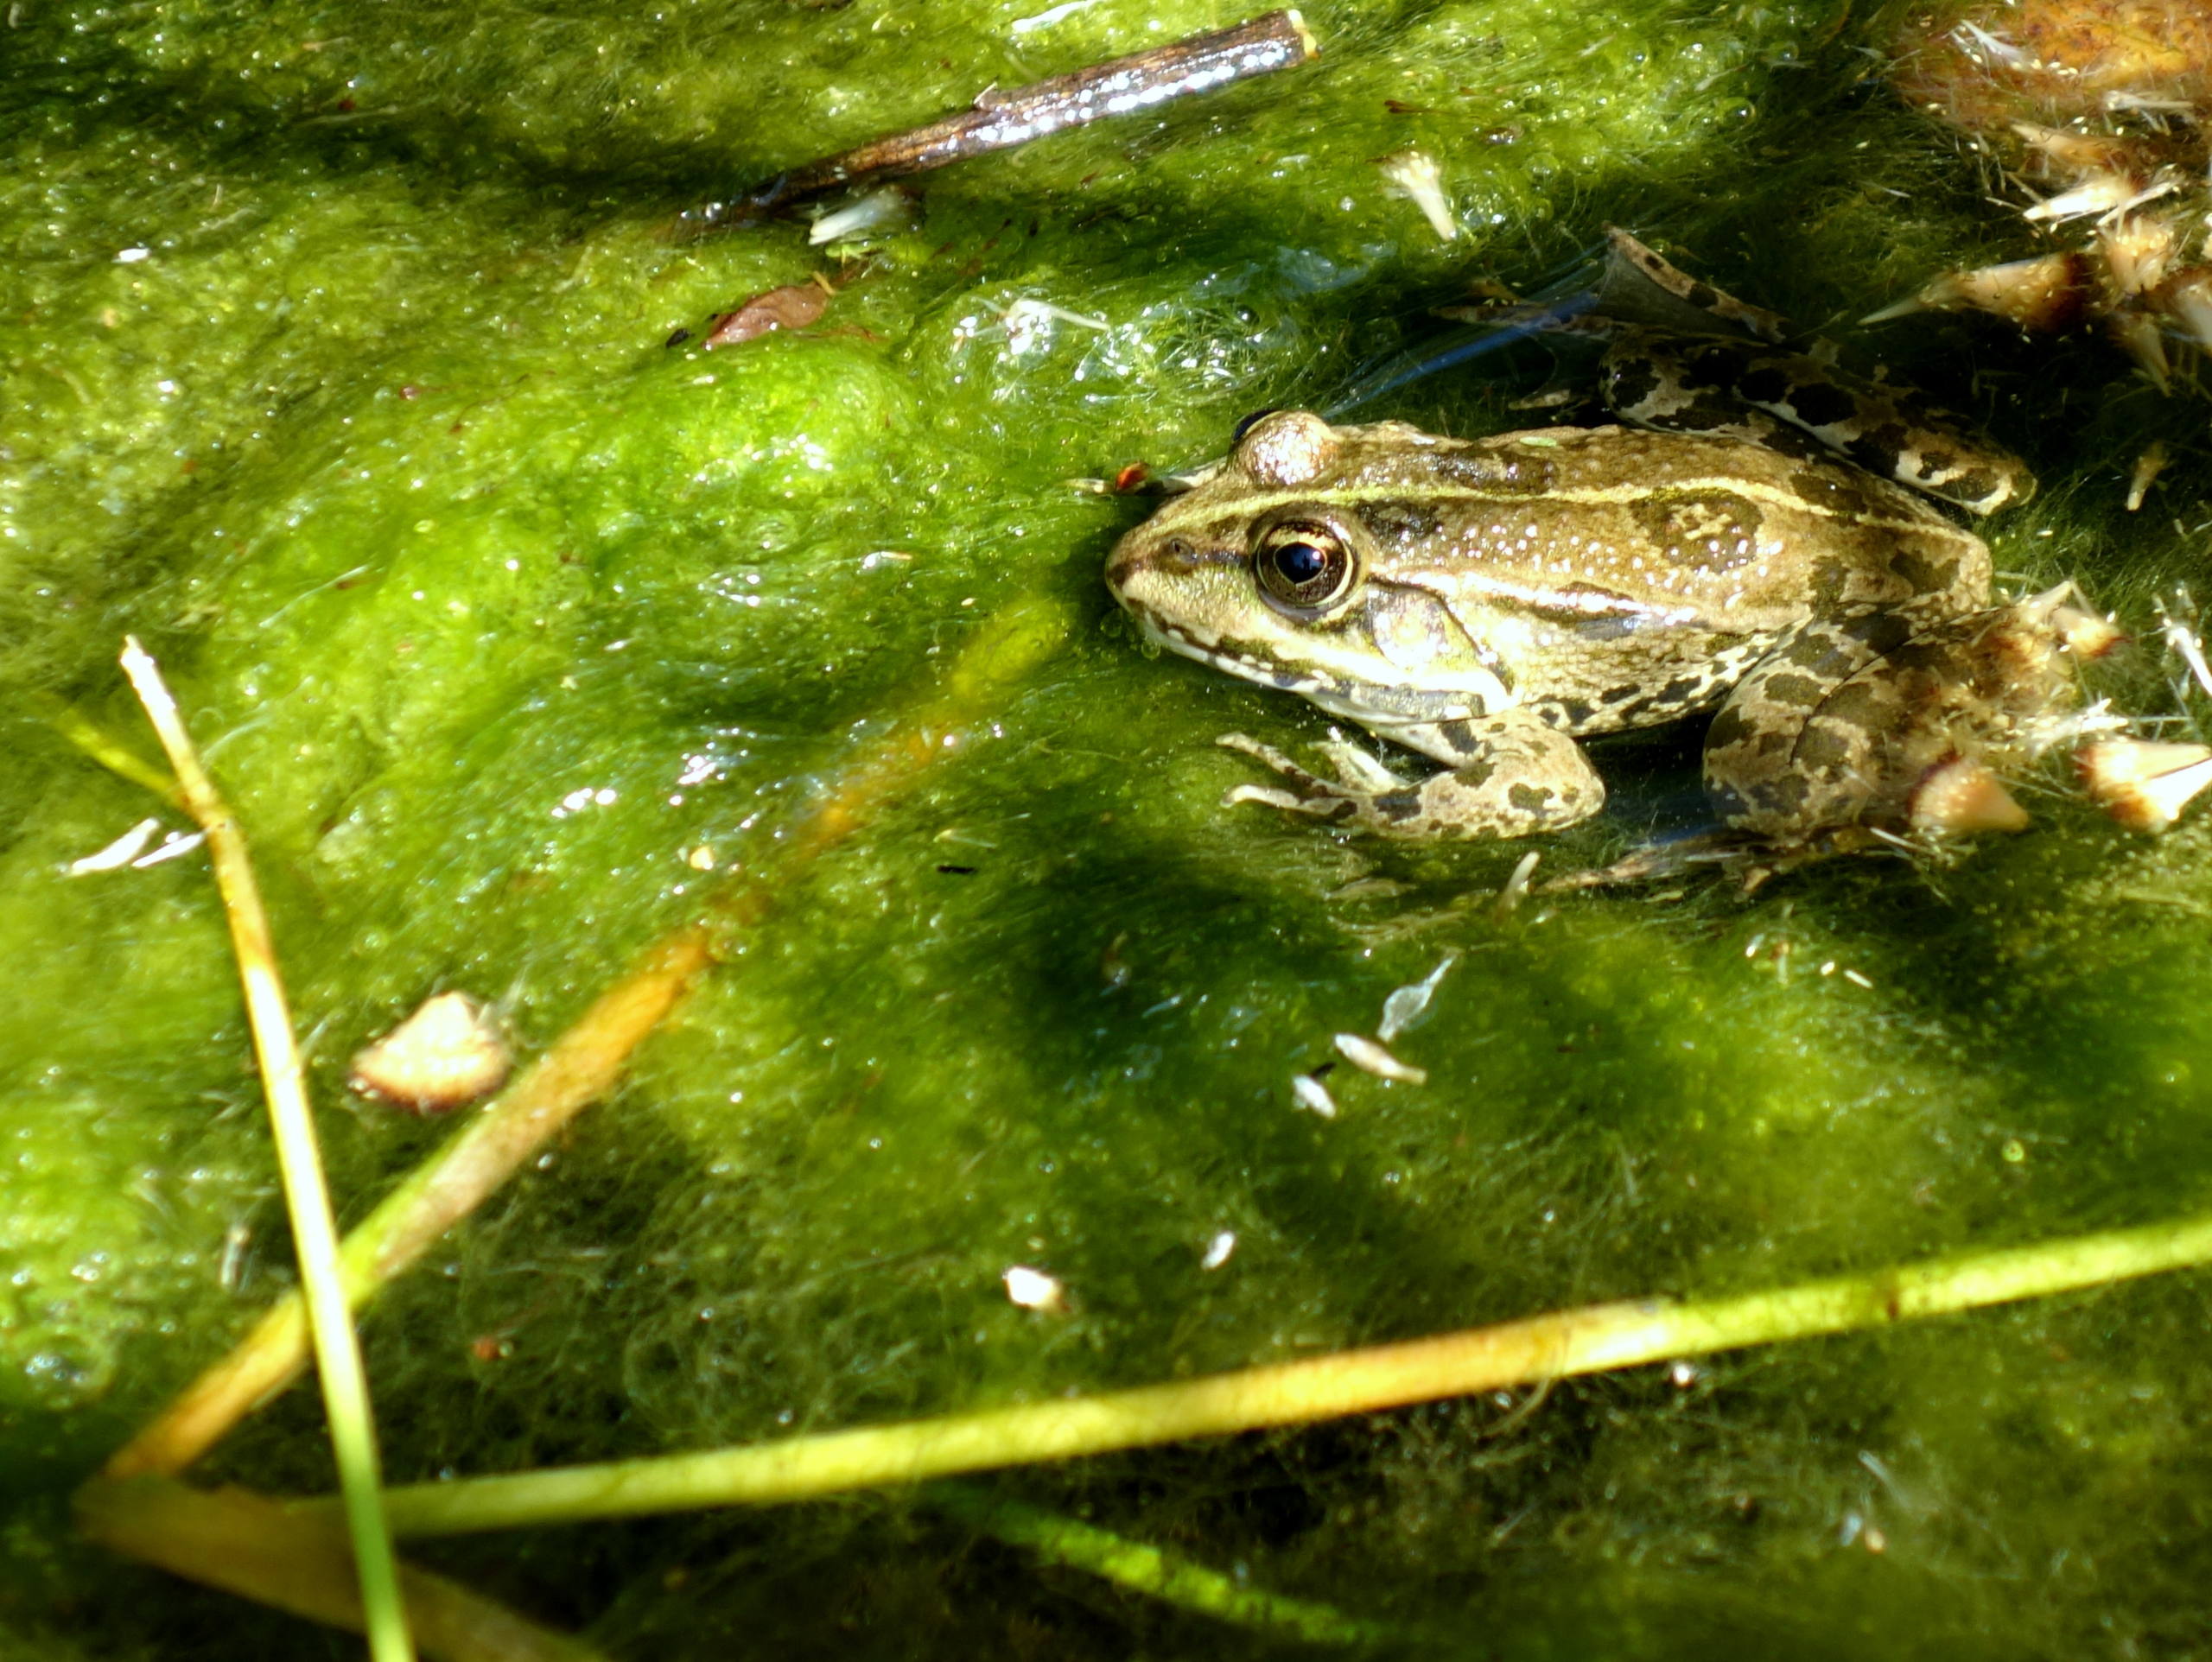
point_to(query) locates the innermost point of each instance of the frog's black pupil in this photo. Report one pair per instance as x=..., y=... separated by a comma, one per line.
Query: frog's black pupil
x=1301, y=562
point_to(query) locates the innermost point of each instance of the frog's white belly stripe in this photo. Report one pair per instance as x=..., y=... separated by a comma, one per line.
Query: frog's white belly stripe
x=1347, y=696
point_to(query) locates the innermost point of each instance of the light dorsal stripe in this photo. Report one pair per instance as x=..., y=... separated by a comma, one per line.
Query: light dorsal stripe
x=1624, y=493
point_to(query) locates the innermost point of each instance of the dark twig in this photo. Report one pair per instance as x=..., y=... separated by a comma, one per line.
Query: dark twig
x=1001, y=120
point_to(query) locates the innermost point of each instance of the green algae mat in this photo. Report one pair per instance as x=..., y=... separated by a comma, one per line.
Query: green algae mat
x=340, y=362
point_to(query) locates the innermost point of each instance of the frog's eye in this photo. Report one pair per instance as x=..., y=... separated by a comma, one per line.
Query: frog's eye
x=1285, y=447
x=1236, y=436
x=1302, y=567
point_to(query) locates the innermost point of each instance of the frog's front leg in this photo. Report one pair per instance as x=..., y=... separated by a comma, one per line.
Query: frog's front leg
x=1508, y=775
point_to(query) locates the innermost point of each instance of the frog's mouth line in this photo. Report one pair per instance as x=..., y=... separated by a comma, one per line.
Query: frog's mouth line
x=1353, y=700
x=1260, y=671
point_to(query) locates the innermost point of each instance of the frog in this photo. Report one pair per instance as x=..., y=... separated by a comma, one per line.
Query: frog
x=1489, y=604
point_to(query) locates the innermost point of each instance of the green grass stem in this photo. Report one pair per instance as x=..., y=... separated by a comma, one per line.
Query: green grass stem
x=1590, y=1340
x=1156, y=1574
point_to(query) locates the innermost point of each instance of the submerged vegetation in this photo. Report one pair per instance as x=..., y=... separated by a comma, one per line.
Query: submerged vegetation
x=358, y=364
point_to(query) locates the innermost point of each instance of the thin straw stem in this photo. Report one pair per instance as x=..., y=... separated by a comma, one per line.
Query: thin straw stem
x=579, y=1068
x=307, y=1198
x=585, y=1063
x=249, y=1545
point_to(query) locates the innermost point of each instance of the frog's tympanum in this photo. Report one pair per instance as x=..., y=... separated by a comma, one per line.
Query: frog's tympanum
x=1488, y=603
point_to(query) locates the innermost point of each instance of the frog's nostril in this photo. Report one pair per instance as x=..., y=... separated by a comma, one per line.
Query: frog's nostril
x=1121, y=565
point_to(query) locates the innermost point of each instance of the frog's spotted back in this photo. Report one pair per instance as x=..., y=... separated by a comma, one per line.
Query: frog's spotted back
x=1721, y=385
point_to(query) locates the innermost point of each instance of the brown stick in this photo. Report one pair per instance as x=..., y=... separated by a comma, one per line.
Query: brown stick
x=1001, y=120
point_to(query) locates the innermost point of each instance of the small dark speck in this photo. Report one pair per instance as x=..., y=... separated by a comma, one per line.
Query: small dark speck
x=1323, y=1071
x=957, y=871
x=678, y=338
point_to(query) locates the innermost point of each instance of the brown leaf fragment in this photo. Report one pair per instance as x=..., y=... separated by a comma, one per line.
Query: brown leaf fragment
x=792, y=306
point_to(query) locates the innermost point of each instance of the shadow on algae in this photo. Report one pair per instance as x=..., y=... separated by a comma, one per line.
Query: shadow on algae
x=333, y=346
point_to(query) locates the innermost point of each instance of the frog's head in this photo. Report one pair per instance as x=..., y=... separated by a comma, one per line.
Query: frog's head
x=1312, y=559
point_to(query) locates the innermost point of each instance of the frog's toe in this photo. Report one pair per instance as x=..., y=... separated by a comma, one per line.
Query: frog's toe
x=1320, y=801
x=1244, y=744
x=1301, y=792
x=1357, y=766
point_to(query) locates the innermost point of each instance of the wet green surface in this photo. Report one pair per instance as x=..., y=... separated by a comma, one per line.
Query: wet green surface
x=331, y=362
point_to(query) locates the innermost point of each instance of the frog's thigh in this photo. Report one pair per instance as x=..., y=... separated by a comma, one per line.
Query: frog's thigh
x=1512, y=776
x=1838, y=725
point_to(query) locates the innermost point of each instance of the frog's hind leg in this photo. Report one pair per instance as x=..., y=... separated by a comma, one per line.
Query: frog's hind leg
x=1870, y=719
x=1511, y=776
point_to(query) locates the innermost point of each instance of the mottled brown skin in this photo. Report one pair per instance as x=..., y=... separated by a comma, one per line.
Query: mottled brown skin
x=1719, y=385
x=1501, y=597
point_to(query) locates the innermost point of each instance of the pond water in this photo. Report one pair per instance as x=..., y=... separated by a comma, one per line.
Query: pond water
x=333, y=364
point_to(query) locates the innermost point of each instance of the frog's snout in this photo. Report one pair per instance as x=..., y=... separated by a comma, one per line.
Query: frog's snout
x=1125, y=561
x=1141, y=563
x=1144, y=560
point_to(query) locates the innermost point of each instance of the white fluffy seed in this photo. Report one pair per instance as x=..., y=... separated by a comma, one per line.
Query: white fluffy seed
x=877, y=210
x=2148, y=466
x=1314, y=1096
x=1034, y=1289
x=1414, y=175
x=1368, y=1056
x=1406, y=1005
x=1960, y=797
